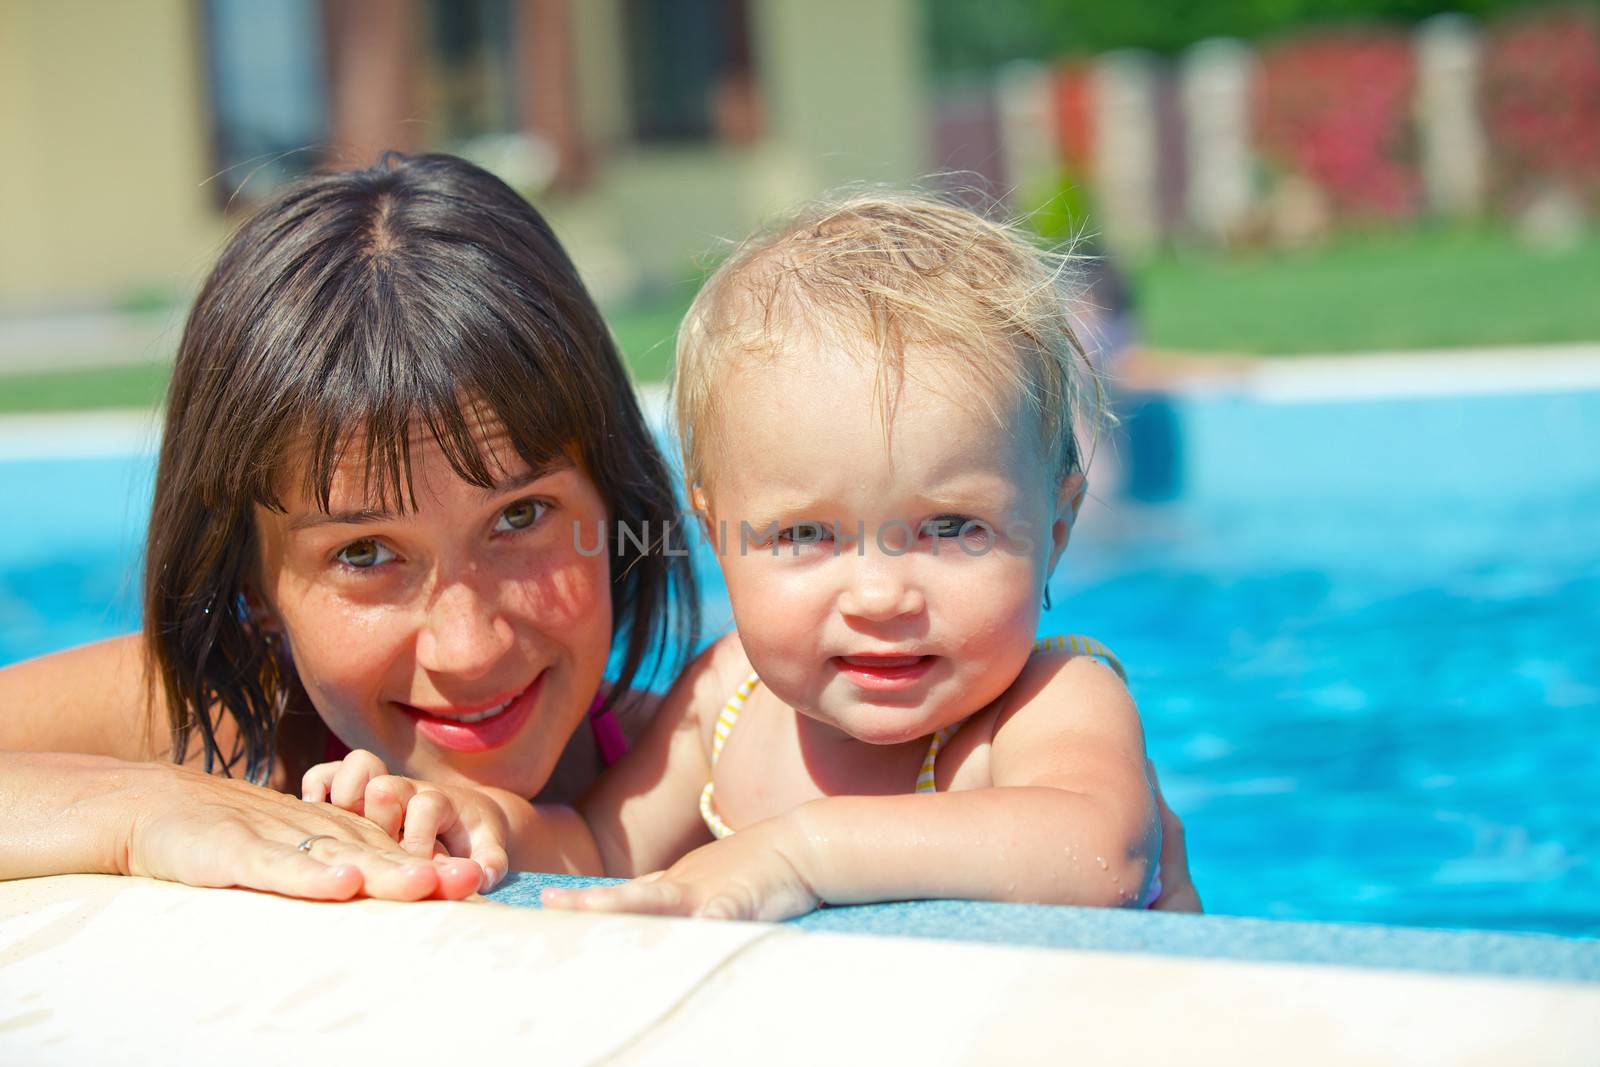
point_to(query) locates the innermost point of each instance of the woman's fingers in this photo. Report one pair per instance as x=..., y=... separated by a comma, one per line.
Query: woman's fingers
x=349, y=787
x=458, y=878
x=383, y=876
x=293, y=873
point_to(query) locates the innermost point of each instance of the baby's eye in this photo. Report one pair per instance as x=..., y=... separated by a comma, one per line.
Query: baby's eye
x=950, y=526
x=806, y=533
x=519, y=516
x=364, y=554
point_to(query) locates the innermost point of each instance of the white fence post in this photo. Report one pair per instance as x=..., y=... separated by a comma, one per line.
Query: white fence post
x=1217, y=76
x=1126, y=182
x=1449, y=127
x=1027, y=134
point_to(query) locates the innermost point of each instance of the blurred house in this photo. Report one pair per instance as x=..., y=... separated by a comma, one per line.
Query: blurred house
x=135, y=133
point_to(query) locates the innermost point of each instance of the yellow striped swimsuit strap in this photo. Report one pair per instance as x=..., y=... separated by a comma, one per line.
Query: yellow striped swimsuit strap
x=925, y=783
x=719, y=737
x=1086, y=646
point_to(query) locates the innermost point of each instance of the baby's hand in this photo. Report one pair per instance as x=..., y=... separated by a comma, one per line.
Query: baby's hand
x=427, y=819
x=739, y=877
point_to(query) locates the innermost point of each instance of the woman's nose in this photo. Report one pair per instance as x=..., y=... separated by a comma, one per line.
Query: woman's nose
x=464, y=633
x=878, y=591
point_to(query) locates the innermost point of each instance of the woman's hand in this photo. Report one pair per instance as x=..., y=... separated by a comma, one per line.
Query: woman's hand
x=427, y=820
x=1177, y=887
x=69, y=814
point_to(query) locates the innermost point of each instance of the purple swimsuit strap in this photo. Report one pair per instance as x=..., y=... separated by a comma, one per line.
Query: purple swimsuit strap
x=608, y=736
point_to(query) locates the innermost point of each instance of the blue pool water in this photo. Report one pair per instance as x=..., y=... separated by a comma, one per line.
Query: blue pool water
x=1362, y=635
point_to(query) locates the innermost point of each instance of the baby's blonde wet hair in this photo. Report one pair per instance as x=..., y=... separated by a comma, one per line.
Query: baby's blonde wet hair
x=895, y=269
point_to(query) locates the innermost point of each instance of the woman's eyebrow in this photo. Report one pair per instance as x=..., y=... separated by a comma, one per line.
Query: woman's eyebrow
x=511, y=483
x=359, y=516
x=313, y=519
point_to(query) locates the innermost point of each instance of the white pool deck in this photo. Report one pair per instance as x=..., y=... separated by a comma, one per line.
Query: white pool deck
x=99, y=970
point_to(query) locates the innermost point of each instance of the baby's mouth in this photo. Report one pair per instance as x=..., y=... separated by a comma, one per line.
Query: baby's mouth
x=877, y=672
x=882, y=662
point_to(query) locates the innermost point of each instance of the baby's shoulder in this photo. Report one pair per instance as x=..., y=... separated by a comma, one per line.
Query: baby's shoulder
x=1068, y=714
x=1067, y=683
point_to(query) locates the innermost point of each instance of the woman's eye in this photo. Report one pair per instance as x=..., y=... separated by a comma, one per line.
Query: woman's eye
x=364, y=554
x=805, y=533
x=519, y=516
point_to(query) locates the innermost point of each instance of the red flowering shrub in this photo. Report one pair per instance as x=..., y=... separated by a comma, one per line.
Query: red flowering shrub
x=1335, y=109
x=1541, y=101
x=1074, y=115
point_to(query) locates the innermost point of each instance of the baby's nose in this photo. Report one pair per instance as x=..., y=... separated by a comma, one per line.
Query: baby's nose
x=879, y=592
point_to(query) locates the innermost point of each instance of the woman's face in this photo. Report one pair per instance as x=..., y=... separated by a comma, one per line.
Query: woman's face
x=462, y=640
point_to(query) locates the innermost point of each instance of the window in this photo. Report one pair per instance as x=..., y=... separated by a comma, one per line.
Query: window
x=470, y=66
x=269, y=93
x=690, y=70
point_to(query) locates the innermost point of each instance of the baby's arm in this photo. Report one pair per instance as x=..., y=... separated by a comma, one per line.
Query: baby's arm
x=645, y=811
x=1070, y=819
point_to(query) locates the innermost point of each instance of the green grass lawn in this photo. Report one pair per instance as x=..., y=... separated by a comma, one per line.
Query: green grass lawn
x=131, y=385
x=1404, y=290
x=1416, y=290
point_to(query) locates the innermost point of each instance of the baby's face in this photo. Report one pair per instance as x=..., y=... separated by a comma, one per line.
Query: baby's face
x=905, y=586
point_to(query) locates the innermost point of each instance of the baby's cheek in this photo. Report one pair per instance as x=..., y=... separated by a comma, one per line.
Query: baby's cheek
x=988, y=613
x=784, y=622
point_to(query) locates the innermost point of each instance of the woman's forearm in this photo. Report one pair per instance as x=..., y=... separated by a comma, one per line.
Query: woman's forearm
x=65, y=813
x=1026, y=844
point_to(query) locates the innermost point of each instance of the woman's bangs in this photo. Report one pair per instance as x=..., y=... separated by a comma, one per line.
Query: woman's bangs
x=457, y=392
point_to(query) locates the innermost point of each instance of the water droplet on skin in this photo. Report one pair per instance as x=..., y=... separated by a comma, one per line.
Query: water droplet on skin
x=1101, y=860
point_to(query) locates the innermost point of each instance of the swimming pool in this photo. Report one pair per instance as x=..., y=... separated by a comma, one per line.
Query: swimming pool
x=1361, y=632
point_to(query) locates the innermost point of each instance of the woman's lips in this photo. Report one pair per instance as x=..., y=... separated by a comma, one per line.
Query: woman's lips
x=884, y=673
x=460, y=736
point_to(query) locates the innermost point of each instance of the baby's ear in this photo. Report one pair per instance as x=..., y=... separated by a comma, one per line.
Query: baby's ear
x=700, y=505
x=1074, y=487
x=1068, y=501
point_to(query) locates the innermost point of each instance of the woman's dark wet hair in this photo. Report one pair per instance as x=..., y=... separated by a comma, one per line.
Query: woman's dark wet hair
x=354, y=308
